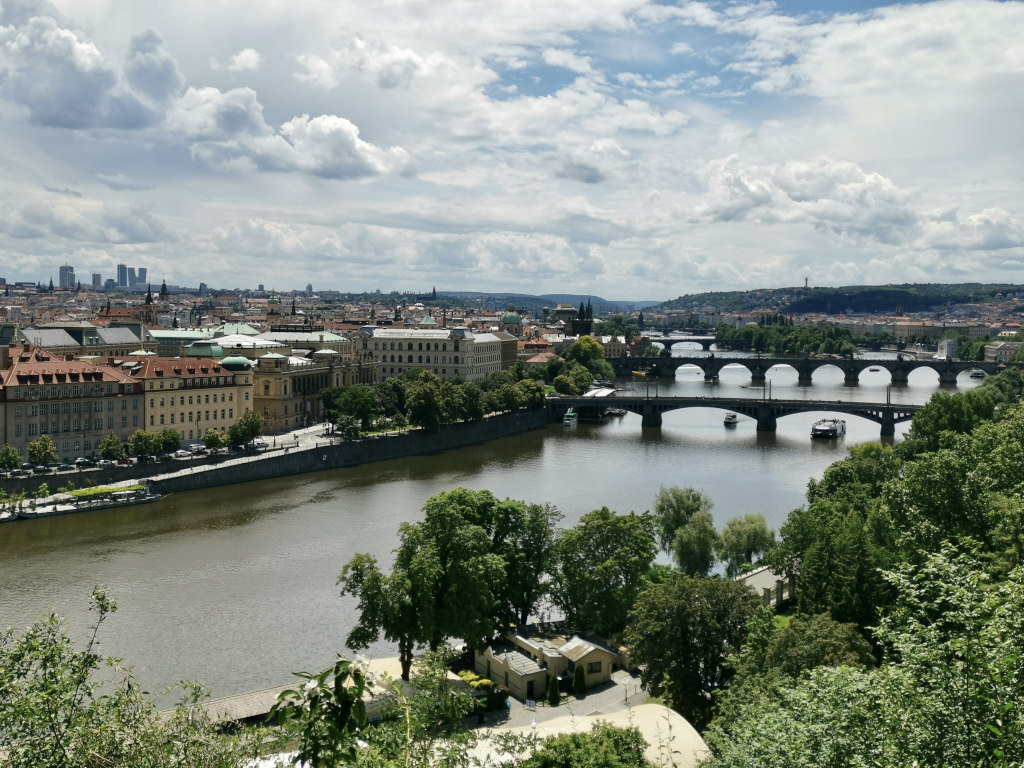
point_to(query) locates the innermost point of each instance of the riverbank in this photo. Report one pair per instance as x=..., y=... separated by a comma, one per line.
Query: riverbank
x=307, y=450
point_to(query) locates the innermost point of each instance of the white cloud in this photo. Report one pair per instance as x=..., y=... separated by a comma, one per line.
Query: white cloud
x=246, y=60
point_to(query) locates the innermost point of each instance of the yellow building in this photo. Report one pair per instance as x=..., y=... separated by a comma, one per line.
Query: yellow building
x=192, y=395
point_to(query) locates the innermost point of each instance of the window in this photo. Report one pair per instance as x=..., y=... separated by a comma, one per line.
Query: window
x=17, y=430
x=124, y=422
x=135, y=420
x=266, y=389
x=593, y=667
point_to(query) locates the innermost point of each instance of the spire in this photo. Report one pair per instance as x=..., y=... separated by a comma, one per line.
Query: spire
x=149, y=294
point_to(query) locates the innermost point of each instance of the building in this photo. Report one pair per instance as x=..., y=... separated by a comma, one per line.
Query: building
x=66, y=277
x=1001, y=351
x=97, y=281
x=446, y=352
x=122, y=275
x=192, y=395
x=522, y=662
x=286, y=388
x=75, y=402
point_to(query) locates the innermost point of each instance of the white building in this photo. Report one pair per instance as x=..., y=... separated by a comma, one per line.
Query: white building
x=446, y=352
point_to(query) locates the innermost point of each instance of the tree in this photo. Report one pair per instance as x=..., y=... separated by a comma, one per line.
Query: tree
x=579, y=681
x=214, y=440
x=424, y=404
x=743, y=539
x=111, y=448
x=588, y=352
x=695, y=544
x=601, y=567
x=42, y=451
x=357, y=401
x=388, y=605
x=70, y=708
x=673, y=508
x=248, y=427
x=143, y=443
x=168, y=440
x=681, y=632
x=603, y=746
x=9, y=457
x=553, y=697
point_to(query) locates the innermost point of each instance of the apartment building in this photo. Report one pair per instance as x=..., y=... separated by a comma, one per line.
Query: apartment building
x=192, y=395
x=446, y=352
x=75, y=402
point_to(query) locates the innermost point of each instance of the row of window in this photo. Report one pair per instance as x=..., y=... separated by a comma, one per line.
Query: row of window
x=229, y=397
x=205, y=415
x=62, y=390
x=73, y=425
x=419, y=346
x=204, y=381
x=420, y=359
x=78, y=407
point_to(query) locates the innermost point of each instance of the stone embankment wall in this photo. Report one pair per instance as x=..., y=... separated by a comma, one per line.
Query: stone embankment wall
x=352, y=453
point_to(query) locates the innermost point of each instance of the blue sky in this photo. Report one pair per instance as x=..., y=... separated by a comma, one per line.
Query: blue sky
x=622, y=148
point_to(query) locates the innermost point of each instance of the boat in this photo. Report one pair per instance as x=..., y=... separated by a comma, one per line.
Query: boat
x=640, y=372
x=570, y=417
x=977, y=373
x=730, y=419
x=874, y=369
x=828, y=428
x=615, y=412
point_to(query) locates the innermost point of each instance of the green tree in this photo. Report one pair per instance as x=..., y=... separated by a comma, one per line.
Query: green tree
x=553, y=697
x=359, y=402
x=143, y=443
x=604, y=746
x=742, y=540
x=111, y=448
x=248, y=427
x=601, y=568
x=564, y=385
x=9, y=457
x=681, y=632
x=424, y=404
x=168, y=440
x=588, y=352
x=42, y=451
x=388, y=605
x=579, y=682
x=214, y=440
x=695, y=544
x=65, y=707
x=673, y=508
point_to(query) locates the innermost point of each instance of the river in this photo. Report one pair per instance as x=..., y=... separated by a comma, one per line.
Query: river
x=235, y=586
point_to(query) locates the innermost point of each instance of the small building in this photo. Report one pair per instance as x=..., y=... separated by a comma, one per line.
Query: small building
x=522, y=661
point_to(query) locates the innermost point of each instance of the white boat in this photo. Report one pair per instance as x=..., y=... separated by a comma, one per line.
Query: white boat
x=977, y=373
x=570, y=417
x=828, y=428
x=730, y=419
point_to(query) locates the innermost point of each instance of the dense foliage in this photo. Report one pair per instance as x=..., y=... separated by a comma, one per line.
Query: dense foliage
x=777, y=335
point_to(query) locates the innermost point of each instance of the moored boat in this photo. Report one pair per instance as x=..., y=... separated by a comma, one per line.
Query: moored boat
x=828, y=428
x=570, y=417
x=730, y=419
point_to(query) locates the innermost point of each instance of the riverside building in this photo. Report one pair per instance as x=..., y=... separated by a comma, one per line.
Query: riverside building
x=446, y=352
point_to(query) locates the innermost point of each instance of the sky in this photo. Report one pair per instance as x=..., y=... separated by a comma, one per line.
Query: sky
x=628, y=149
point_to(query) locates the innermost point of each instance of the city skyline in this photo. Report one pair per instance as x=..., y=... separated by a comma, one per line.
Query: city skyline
x=627, y=148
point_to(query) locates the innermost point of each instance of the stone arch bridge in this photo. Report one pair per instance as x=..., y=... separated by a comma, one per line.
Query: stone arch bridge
x=766, y=412
x=711, y=365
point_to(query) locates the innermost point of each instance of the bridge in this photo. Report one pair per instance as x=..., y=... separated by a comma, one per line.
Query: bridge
x=899, y=369
x=766, y=412
x=669, y=341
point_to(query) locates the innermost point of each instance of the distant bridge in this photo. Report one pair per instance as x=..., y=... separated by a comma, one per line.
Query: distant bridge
x=759, y=366
x=766, y=412
x=669, y=341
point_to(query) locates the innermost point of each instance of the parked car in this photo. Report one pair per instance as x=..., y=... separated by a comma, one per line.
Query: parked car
x=124, y=460
x=105, y=463
x=64, y=466
x=198, y=448
x=181, y=453
x=83, y=461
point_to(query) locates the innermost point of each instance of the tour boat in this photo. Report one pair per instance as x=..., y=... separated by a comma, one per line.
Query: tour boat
x=570, y=417
x=828, y=428
x=977, y=374
x=730, y=419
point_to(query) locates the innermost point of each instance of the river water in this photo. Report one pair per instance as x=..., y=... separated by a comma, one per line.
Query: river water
x=235, y=586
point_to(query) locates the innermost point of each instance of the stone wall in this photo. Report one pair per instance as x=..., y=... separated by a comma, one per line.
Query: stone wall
x=348, y=454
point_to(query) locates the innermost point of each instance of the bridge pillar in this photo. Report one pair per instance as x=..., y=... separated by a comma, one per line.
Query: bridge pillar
x=948, y=375
x=756, y=374
x=650, y=417
x=804, y=374
x=766, y=419
x=899, y=374
x=888, y=424
x=851, y=376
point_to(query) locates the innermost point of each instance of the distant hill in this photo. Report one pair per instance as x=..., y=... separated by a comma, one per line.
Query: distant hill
x=858, y=299
x=535, y=304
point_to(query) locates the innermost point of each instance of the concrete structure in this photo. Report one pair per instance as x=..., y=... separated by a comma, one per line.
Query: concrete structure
x=75, y=402
x=1001, y=351
x=66, y=277
x=447, y=352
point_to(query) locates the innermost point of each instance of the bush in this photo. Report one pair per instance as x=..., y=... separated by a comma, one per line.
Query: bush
x=579, y=682
x=553, y=696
